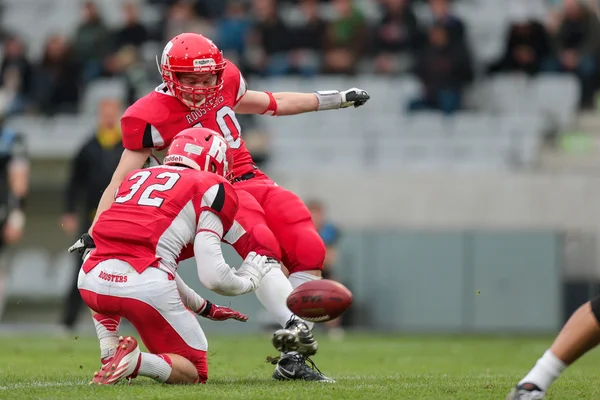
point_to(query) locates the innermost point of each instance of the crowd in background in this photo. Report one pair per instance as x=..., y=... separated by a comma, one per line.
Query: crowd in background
x=253, y=34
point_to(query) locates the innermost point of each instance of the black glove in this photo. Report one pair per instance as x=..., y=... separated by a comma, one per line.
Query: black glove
x=83, y=246
x=354, y=97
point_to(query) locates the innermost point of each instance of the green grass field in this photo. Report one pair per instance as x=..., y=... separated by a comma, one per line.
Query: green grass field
x=365, y=366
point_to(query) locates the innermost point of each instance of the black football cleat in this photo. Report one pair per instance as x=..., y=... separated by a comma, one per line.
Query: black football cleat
x=526, y=391
x=296, y=336
x=292, y=367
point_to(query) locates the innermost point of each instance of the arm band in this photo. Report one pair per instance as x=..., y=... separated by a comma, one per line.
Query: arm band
x=272, y=108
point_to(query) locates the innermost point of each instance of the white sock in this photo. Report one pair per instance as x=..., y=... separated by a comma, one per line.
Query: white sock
x=154, y=366
x=297, y=279
x=546, y=370
x=273, y=293
x=107, y=330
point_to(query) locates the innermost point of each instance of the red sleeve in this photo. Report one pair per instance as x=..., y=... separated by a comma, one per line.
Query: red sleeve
x=225, y=205
x=136, y=133
x=219, y=197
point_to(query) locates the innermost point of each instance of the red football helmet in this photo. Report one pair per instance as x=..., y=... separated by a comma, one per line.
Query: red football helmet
x=202, y=149
x=192, y=53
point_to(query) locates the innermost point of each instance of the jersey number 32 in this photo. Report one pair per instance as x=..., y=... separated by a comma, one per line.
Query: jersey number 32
x=164, y=182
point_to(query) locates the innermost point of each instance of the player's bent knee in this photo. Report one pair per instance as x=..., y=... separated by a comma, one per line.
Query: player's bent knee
x=183, y=371
x=309, y=251
x=595, y=305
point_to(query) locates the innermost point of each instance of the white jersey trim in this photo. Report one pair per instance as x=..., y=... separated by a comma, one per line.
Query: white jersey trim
x=242, y=89
x=235, y=233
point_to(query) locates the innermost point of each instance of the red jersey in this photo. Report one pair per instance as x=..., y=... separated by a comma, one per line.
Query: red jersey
x=156, y=213
x=153, y=120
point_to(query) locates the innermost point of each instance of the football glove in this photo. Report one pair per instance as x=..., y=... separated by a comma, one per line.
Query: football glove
x=219, y=313
x=254, y=268
x=334, y=99
x=354, y=97
x=83, y=246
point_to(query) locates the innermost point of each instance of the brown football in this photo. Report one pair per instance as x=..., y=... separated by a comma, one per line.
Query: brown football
x=319, y=301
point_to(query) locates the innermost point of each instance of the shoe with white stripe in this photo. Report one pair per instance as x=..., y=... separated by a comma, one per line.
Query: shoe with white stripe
x=124, y=363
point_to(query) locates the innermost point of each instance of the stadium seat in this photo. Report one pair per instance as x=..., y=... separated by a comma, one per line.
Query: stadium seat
x=557, y=97
x=507, y=93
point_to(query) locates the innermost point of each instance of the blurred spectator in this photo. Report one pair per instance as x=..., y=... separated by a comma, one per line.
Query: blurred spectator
x=56, y=86
x=14, y=186
x=331, y=236
x=443, y=16
x=309, y=39
x=444, y=69
x=576, y=40
x=231, y=31
x=273, y=38
x=128, y=65
x=91, y=172
x=345, y=38
x=527, y=48
x=16, y=75
x=181, y=18
x=91, y=43
x=396, y=37
x=133, y=33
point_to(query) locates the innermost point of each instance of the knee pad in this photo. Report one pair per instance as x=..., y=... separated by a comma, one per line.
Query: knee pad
x=309, y=251
x=595, y=303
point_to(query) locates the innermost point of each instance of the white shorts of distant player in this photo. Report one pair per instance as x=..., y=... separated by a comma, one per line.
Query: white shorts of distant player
x=151, y=302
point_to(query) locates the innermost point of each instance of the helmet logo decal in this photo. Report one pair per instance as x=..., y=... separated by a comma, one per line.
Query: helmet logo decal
x=192, y=148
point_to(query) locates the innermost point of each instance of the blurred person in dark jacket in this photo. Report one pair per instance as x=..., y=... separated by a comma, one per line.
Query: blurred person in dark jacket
x=91, y=42
x=14, y=186
x=331, y=237
x=308, y=39
x=395, y=38
x=56, y=87
x=527, y=47
x=91, y=172
x=16, y=75
x=444, y=69
x=271, y=40
x=133, y=32
x=576, y=39
x=442, y=15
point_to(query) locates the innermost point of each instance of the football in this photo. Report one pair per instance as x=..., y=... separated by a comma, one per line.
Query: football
x=320, y=301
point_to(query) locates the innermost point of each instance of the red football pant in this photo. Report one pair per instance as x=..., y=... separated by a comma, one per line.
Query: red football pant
x=250, y=231
x=151, y=302
x=289, y=220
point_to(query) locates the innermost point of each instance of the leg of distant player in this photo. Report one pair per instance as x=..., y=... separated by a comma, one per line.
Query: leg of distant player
x=580, y=334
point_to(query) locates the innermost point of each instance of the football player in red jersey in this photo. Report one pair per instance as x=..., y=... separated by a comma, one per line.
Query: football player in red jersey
x=132, y=272
x=201, y=88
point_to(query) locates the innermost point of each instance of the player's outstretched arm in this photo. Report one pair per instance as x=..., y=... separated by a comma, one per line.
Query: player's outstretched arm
x=214, y=272
x=292, y=103
x=130, y=160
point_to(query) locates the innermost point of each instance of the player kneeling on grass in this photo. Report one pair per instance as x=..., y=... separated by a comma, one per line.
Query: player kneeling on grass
x=132, y=271
x=580, y=334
